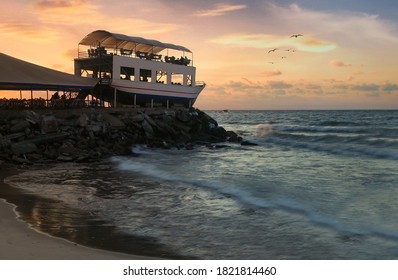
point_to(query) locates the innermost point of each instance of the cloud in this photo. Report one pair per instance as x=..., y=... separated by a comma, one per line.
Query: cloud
x=26, y=31
x=60, y=13
x=339, y=63
x=278, y=85
x=270, y=73
x=70, y=53
x=264, y=41
x=346, y=28
x=389, y=87
x=219, y=10
x=62, y=4
x=366, y=87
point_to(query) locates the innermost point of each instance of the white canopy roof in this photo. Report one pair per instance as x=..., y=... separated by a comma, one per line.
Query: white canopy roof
x=16, y=74
x=119, y=41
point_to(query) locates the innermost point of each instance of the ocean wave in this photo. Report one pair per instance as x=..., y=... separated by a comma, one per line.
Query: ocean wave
x=240, y=194
x=378, y=149
x=302, y=128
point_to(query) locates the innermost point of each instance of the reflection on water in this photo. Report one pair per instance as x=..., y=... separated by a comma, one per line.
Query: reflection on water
x=57, y=219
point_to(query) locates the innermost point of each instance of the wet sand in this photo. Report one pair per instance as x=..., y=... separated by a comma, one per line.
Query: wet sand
x=19, y=241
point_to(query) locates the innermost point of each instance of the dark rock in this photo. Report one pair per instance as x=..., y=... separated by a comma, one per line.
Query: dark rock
x=50, y=153
x=67, y=148
x=147, y=129
x=247, y=143
x=233, y=137
x=182, y=126
x=138, y=118
x=20, y=160
x=219, y=132
x=4, y=142
x=23, y=148
x=91, y=134
x=113, y=121
x=183, y=116
x=83, y=120
x=20, y=126
x=48, y=124
x=32, y=117
x=64, y=158
x=150, y=120
x=48, y=138
x=95, y=128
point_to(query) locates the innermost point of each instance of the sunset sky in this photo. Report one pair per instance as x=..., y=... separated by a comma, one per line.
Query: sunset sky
x=347, y=57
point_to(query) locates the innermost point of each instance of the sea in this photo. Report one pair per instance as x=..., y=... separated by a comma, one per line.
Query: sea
x=314, y=185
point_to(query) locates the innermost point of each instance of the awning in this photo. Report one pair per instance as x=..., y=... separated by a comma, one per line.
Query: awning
x=107, y=39
x=16, y=74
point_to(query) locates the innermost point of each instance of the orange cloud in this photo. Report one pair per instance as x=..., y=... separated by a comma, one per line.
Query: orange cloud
x=270, y=73
x=339, y=63
x=26, y=31
x=273, y=41
x=60, y=4
x=220, y=9
x=56, y=13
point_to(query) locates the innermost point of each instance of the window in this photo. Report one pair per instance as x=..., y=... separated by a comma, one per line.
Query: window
x=127, y=73
x=161, y=77
x=177, y=79
x=189, y=80
x=145, y=75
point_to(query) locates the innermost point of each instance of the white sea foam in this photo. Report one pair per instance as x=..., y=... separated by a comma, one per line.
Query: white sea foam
x=263, y=130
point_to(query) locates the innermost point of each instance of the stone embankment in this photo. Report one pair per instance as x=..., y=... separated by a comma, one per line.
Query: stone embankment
x=86, y=135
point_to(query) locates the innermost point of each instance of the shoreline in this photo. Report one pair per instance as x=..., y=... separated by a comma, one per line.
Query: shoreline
x=19, y=241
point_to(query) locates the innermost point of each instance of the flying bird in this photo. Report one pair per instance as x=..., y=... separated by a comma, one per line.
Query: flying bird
x=296, y=35
x=272, y=50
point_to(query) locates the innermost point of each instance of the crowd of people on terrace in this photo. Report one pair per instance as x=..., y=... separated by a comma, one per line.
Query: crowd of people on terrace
x=143, y=55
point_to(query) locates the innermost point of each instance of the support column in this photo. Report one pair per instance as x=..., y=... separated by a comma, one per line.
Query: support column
x=168, y=78
x=114, y=97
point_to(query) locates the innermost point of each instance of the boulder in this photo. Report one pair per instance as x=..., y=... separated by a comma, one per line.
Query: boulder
x=113, y=122
x=147, y=129
x=138, y=118
x=23, y=148
x=82, y=121
x=248, y=143
x=150, y=120
x=67, y=148
x=183, y=116
x=32, y=117
x=48, y=124
x=21, y=125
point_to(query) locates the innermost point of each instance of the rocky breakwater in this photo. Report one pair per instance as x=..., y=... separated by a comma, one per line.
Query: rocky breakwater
x=84, y=135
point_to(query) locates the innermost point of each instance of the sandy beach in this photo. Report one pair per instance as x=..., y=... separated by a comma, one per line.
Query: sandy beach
x=18, y=241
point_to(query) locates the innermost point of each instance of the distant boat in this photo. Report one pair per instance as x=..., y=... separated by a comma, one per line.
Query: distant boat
x=137, y=71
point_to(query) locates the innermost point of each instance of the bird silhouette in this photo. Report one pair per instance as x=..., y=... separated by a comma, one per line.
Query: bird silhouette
x=272, y=50
x=296, y=35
